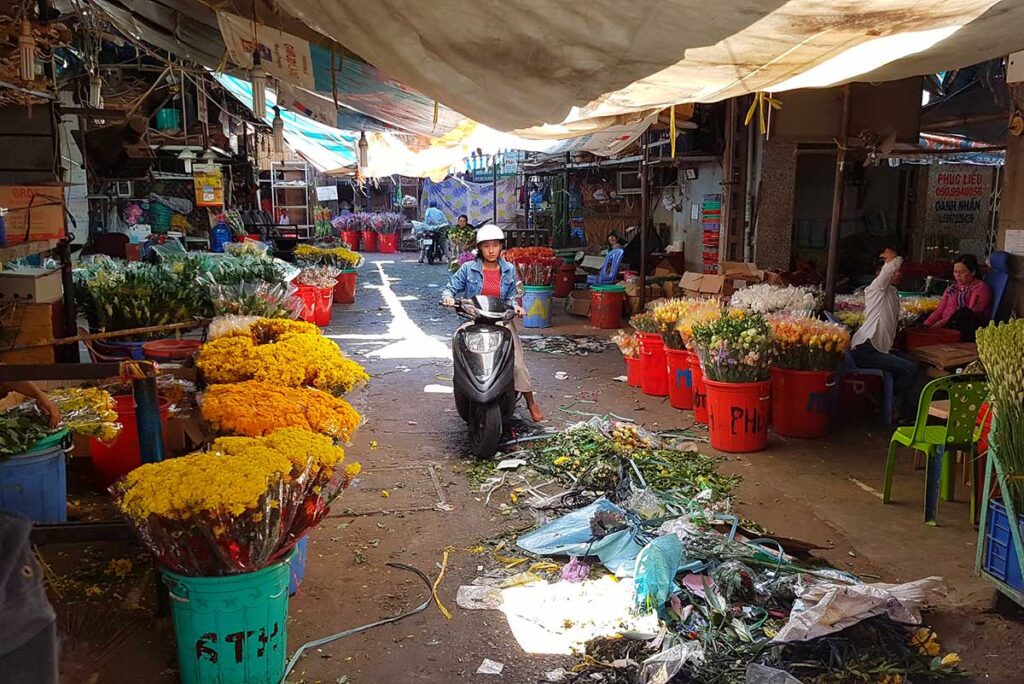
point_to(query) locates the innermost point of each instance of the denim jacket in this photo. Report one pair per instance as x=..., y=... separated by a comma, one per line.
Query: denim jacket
x=468, y=281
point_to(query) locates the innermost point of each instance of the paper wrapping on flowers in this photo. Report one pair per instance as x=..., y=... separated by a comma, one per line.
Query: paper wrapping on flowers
x=248, y=247
x=826, y=607
x=627, y=344
x=229, y=324
x=318, y=276
x=237, y=508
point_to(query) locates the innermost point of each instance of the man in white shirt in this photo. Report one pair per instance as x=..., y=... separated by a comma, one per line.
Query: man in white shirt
x=872, y=344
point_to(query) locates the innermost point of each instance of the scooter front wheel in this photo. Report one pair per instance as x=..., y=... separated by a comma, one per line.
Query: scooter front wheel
x=485, y=431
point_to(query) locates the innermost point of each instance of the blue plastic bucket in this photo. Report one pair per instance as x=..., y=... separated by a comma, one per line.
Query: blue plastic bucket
x=297, y=565
x=35, y=484
x=1000, y=559
x=231, y=629
x=537, y=303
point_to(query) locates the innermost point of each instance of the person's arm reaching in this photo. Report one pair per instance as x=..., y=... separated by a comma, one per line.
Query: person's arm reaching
x=887, y=273
x=32, y=391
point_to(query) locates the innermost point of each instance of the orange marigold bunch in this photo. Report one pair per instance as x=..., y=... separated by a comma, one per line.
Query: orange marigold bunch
x=254, y=409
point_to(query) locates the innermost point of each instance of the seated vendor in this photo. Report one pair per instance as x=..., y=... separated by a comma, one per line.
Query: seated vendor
x=965, y=303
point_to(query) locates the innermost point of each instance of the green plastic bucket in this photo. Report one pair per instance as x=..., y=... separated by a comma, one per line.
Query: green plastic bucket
x=168, y=119
x=232, y=629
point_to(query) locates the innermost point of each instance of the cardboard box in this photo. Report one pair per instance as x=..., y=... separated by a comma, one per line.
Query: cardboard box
x=38, y=285
x=578, y=303
x=665, y=267
x=735, y=276
x=34, y=212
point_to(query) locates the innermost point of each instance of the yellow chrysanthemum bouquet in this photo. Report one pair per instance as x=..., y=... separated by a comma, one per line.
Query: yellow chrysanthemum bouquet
x=238, y=507
x=673, y=315
x=255, y=408
x=281, y=352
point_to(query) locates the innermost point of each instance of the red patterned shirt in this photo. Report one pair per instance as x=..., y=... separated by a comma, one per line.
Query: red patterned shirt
x=492, y=283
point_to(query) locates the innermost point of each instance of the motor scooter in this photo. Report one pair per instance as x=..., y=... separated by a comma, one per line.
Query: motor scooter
x=431, y=240
x=483, y=379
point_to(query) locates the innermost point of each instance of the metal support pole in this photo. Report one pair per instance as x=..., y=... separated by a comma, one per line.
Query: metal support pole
x=63, y=252
x=494, y=183
x=837, y=204
x=147, y=419
x=644, y=201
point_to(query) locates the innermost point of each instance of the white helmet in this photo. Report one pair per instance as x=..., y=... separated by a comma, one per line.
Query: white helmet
x=489, y=232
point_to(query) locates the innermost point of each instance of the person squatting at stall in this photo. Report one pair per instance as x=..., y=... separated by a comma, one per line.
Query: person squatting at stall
x=491, y=276
x=965, y=303
x=871, y=346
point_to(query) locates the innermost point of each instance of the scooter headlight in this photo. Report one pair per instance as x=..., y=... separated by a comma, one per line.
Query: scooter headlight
x=483, y=342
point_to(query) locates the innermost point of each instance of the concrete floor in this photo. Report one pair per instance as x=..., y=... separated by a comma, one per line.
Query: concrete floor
x=825, y=492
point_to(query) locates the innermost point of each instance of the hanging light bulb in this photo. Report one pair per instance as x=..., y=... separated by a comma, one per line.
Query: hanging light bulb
x=259, y=86
x=364, y=148
x=278, y=127
x=187, y=156
x=209, y=156
x=27, y=51
x=95, y=92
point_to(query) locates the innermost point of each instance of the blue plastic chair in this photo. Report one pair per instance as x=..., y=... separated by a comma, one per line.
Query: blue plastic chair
x=997, y=278
x=609, y=272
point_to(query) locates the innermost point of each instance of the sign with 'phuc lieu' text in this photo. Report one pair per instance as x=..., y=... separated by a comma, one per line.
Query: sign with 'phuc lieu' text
x=958, y=195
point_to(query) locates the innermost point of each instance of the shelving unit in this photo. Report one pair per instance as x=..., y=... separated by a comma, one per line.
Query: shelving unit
x=711, y=224
x=289, y=191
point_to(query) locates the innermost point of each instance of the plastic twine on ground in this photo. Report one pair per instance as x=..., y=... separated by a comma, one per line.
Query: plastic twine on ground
x=433, y=589
x=356, y=630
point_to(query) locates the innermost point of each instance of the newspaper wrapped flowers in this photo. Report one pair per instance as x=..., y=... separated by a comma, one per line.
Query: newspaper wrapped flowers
x=236, y=508
x=735, y=347
x=804, y=343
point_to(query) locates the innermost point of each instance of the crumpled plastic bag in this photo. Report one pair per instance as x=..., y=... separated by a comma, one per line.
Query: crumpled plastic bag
x=655, y=571
x=762, y=674
x=662, y=667
x=827, y=607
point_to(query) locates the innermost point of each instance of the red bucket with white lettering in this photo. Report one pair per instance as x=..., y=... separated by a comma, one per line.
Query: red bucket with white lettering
x=738, y=415
x=699, y=389
x=800, y=402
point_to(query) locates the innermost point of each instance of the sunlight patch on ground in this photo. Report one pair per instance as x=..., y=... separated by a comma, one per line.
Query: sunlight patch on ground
x=438, y=389
x=410, y=341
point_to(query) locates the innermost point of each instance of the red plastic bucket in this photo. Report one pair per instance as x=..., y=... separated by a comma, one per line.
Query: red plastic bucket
x=634, y=376
x=700, y=390
x=654, y=364
x=606, y=307
x=388, y=243
x=800, y=402
x=350, y=238
x=680, y=379
x=565, y=279
x=322, y=310
x=345, y=290
x=307, y=293
x=738, y=415
x=171, y=351
x=922, y=337
x=369, y=241
x=111, y=461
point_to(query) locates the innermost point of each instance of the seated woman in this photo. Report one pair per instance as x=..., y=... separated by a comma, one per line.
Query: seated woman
x=965, y=303
x=491, y=276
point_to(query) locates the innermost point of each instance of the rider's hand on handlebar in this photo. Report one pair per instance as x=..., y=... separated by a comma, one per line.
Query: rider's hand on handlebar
x=520, y=311
x=447, y=301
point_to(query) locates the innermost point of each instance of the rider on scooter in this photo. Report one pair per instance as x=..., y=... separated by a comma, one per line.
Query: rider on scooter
x=434, y=219
x=491, y=276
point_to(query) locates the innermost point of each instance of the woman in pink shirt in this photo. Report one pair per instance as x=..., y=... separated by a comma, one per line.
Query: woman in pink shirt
x=965, y=304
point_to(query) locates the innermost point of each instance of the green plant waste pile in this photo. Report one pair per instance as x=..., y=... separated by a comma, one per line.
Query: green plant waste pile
x=611, y=501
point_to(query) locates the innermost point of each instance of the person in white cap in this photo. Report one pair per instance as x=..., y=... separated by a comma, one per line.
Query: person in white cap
x=491, y=276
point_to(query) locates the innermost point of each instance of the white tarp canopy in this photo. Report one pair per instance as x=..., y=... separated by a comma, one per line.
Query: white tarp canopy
x=516, y=65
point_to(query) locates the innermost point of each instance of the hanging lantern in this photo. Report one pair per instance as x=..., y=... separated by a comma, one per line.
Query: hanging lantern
x=278, y=131
x=364, y=147
x=259, y=86
x=209, y=156
x=95, y=92
x=27, y=52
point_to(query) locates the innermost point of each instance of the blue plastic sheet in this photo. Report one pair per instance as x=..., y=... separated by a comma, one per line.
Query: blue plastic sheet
x=655, y=571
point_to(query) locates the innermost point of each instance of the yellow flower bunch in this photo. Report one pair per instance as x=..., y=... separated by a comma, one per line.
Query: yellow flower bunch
x=341, y=257
x=916, y=306
x=803, y=343
x=268, y=330
x=292, y=359
x=179, y=488
x=253, y=409
x=668, y=312
x=698, y=312
x=88, y=411
x=303, y=448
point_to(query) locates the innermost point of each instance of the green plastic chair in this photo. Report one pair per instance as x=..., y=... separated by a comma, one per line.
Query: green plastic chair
x=966, y=393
